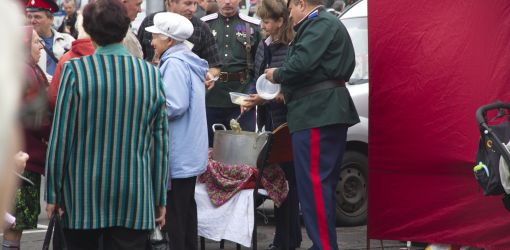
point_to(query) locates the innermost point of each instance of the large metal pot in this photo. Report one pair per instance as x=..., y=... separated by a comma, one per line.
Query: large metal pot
x=232, y=147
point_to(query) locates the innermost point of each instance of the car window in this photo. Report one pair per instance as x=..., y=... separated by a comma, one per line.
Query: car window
x=357, y=28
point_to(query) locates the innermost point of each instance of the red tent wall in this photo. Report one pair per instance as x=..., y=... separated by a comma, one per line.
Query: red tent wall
x=432, y=64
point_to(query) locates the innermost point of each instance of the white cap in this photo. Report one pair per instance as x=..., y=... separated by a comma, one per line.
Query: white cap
x=172, y=25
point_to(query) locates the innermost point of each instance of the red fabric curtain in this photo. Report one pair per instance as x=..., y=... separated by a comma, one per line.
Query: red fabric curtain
x=432, y=64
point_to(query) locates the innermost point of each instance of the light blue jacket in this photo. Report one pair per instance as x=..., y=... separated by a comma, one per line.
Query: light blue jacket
x=183, y=75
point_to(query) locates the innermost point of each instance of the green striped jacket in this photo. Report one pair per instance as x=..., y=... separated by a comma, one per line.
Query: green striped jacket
x=108, y=149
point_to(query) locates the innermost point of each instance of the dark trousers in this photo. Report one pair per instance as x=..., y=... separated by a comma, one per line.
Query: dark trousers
x=181, y=215
x=318, y=155
x=288, y=224
x=114, y=238
x=224, y=115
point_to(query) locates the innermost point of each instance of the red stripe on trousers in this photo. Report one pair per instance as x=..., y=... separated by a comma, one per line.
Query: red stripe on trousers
x=315, y=152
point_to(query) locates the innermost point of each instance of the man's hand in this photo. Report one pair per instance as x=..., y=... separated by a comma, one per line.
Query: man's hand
x=161, y=213
x=279, y=98
x=50, y=209
x=269, y=74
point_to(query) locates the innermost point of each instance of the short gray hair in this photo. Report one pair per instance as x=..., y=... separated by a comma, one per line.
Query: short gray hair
x=162, y=37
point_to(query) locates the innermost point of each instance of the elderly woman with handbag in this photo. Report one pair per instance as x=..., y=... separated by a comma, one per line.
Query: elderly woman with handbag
x=107, y=159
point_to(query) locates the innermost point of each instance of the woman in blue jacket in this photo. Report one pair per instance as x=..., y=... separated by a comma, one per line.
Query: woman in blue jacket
x=183, y=76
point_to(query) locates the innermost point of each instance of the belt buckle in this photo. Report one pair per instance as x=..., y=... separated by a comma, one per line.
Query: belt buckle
x=223, y=77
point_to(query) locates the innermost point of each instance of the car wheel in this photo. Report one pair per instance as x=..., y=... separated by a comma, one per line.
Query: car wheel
x=351, y=191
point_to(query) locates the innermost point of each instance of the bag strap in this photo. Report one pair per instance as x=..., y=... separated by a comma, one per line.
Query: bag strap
x=249, y=62
x=49, y=52
x=56, y=232
x=49, y=233
x=60, y=241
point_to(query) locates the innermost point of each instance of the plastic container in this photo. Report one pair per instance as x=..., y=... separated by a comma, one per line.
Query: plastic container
x=238, y=98
x=266, y=89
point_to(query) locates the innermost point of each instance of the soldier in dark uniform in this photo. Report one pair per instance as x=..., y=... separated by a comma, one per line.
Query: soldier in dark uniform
x=319, y=62
x=237, y=36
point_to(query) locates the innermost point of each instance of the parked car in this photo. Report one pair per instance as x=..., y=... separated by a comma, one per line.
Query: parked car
x=352, y=189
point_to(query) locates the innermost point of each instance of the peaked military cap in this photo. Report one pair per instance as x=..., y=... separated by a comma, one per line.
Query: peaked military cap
x=41, y=5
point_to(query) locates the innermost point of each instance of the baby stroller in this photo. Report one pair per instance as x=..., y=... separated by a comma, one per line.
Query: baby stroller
x=493, y=157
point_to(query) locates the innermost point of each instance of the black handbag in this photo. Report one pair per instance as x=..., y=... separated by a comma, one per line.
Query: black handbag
x=158, y=240
x=55, y=232
x=494, y=136
x=488, y=157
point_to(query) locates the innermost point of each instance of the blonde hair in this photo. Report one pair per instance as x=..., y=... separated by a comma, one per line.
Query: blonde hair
x=276, y=9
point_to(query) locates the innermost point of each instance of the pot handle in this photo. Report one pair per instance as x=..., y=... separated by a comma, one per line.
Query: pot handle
x=218, y=125
x=262, y=136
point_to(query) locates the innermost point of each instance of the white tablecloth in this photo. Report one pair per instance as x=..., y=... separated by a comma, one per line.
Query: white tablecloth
x=232, y=221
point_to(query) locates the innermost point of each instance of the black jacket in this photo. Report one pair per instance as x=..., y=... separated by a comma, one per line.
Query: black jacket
x=272, y=114
x=71, y=22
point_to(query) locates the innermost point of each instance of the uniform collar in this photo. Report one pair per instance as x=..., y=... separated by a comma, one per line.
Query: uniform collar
x=236, y=15
x=312, y=14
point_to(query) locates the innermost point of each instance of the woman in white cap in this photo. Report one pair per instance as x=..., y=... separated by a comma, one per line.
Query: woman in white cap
x=183, y=75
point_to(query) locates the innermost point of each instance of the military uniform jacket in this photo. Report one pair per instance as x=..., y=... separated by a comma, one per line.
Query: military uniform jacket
x=321, y=50
x=231, y=35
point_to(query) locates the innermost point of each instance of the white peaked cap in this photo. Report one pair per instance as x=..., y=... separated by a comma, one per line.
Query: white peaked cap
x=172, y=25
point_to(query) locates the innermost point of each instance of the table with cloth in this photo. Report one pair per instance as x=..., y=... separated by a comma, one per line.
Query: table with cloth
x=225, y=204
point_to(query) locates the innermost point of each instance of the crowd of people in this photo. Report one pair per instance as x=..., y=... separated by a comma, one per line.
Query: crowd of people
x=120, y=123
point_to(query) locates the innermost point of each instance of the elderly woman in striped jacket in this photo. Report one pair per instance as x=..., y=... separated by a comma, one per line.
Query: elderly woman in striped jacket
x=107, y=159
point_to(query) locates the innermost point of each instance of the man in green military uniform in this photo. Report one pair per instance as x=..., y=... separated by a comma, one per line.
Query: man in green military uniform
x=237, y=36
x=320, y=109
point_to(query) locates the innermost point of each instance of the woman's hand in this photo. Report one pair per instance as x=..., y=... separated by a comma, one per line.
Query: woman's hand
x=210, y=80
x=20, y=160
x=50, y=209
x=255, y=100
x=161, y=213
x=251, y=102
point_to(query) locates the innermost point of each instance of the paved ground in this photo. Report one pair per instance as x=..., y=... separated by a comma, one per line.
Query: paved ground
x=349, y=238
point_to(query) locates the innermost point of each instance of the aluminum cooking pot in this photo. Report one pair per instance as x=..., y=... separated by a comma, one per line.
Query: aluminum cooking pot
x=235, y=148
